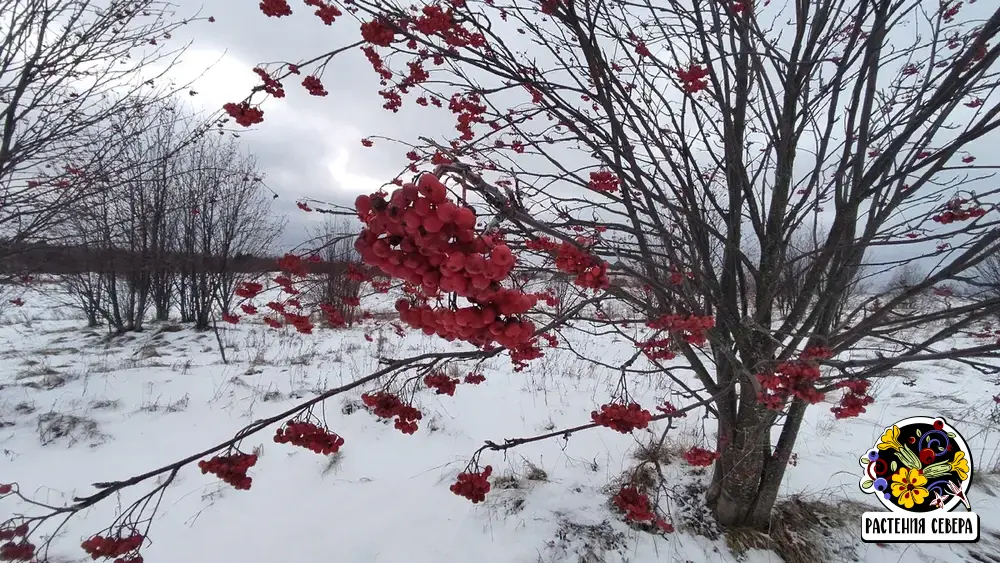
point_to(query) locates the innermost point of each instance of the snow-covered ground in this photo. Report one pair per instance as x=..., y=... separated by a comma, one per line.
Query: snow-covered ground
x=77, y=408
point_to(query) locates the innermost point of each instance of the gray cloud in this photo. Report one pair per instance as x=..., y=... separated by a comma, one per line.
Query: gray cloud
x=309, y=147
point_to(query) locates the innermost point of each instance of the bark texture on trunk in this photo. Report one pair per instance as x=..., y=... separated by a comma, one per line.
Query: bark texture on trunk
x=748, y=473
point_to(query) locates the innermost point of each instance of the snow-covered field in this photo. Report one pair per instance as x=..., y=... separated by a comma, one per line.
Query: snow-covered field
x=77, y=408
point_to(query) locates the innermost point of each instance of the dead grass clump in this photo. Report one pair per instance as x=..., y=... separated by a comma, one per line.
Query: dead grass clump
x=333, y=462
x=54, y=426
x=800, y=530
x=585, y=543
x=643, y=477
x=105, y=404
x=653, y=452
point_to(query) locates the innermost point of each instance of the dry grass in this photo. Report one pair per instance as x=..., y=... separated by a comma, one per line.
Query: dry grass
x=799, y=530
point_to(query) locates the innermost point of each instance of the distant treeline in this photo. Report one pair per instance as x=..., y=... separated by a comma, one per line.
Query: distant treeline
x=68, y=260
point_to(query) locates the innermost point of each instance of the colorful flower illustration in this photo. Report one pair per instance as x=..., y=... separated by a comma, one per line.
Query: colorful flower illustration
x=918, y=465
x=960, y=465
x=890, y=440
x=908, y=487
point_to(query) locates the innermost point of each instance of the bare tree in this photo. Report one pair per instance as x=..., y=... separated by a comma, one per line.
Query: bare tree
x=225, y=214
x=338, y=287
x=988, y=276
x=66, y=68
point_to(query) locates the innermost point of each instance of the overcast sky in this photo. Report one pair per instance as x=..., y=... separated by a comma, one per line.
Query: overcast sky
x=309, y=147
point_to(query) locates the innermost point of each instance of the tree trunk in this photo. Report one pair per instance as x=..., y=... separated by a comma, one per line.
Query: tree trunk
x=748, y=475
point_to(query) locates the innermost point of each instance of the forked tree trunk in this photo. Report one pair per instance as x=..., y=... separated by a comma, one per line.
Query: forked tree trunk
x=748, y=473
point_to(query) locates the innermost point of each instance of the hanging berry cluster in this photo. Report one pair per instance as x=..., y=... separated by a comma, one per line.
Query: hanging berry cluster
x=955, y=210
x=12, y=550
x=796, y=379
x=419, y=235
x=122, y=547
x=693, y=79
x=244, y=114
x=700, y=457
x=622, y=418
x=387, y=405
x=591, y=272
x=854, y=401
x=637, y=508
x=692, y=328
x=474, y=378
x=309, y=436
x=658, y=349
x=473, y=485
x=231, y=468
x=11, y=533
x=248, y=290
x=441, y=383
x=603, y=181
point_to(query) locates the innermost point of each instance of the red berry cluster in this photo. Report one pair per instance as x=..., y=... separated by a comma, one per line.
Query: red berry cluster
x=387, y=405
x=693, y=78
x=796, y=379
x=20, y=551
x=692, y=327
x=700, y=457
x=244, y=114
x=230, y=318
x=440, y=382
x=603, y=181
x=480, y=326
x=658, y=349
x=271, y=86
x=636, y=506
x=324, y=11
x=231, y=468
x=669, y=409
x=248, y=290
x=622, y=418
x=474, y=378
x=275, y=8
x=313, y=85
x=378, y=32
x=293, y=264
x=302, y=323
x=309, y=436
x=6, y=488
x=108, y=547
x=11, y=533
x=954, y=211
x=420, y=236
x=473, y=485
x=333, y=315
x=591, y=272
x=854, y=401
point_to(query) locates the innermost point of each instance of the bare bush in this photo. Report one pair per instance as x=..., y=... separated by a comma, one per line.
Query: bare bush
x=339, y=284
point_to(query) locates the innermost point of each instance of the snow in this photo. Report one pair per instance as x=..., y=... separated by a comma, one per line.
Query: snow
x=127, y=405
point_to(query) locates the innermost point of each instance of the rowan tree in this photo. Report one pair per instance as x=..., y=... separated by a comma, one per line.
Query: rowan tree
x=669, y=154
x=666, y=156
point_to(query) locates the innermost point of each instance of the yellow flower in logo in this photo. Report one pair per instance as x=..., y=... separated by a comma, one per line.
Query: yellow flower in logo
x=908, y=487
x=960, y=465
x=890, y=440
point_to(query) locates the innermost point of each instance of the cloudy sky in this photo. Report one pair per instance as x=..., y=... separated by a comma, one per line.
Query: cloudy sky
x=308, y=146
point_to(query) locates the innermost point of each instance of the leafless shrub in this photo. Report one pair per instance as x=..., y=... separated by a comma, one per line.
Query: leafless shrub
x=337, y=286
